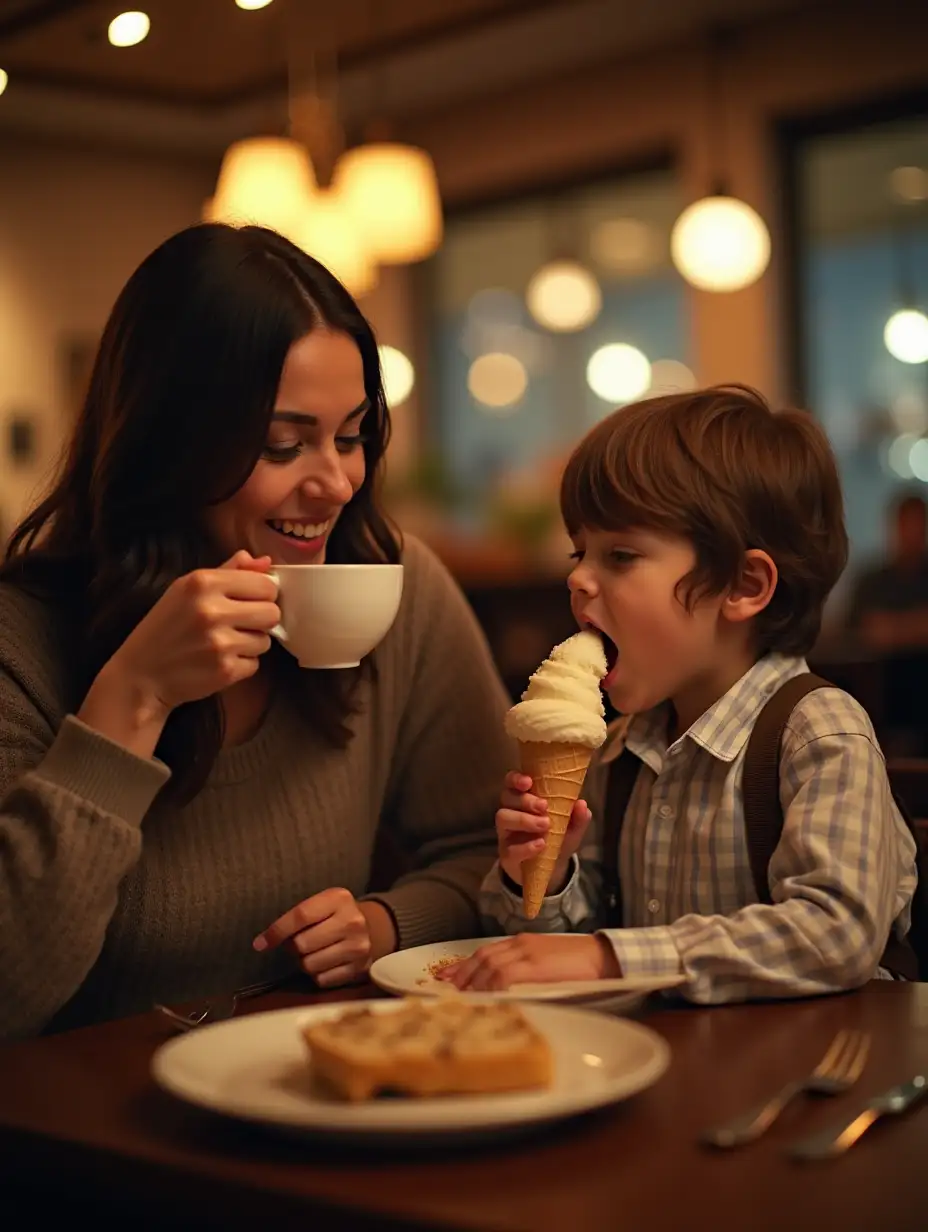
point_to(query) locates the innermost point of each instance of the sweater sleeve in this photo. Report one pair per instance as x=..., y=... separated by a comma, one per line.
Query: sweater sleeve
x=71, y=807
x=449, y=763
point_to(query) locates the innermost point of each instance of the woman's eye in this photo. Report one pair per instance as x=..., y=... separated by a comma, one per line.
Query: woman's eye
x=281, y=453
x=348, y=444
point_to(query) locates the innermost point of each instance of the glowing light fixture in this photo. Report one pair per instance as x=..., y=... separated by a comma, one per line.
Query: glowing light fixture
x=4, y=80
x=918, y=459
x=497, y=380
x=618, y=373
x=251, y=5
x=327, y=233
x=906, y=336
x=898, y=455
x=910, y=184
x=564, y=297
x=399, y=376
x=391, y=192
x=720, y=244
x=128, y=29
x=669, y=376
x=265, y=180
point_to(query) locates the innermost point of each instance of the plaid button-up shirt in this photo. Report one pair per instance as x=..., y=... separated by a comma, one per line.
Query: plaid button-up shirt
x=842, y=875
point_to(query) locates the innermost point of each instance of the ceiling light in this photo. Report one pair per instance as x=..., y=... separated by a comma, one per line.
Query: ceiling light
x=4, y=80
x=669, y=376
x=264, y=180
x=328, y=233
x=898, y=455
x=906, y=336
x=399, y=376
x=910, y=183
x=497, y=380
x=564, y=297
x=720, y=244
x=128, y=29
x=618, y=373
x=251, y=5
x=918, y=459
x=391, y=192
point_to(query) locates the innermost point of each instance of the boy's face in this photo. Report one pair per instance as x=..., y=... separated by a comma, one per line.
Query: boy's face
x=626, y=585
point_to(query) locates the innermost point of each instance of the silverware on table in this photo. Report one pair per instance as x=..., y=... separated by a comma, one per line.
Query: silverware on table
x=839, y=1138
x=219, y=1008
x=839, y=1069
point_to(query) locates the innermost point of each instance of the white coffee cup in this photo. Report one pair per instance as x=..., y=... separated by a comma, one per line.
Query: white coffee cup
x=333, y=615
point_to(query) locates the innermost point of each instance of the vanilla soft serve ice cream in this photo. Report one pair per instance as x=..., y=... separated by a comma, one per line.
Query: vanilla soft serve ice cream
x=563, y=702
x=558, y=723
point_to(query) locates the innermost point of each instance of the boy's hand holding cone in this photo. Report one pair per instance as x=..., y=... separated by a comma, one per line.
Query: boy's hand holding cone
x=558, y=724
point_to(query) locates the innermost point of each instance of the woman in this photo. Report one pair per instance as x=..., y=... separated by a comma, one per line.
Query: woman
x=181, y=804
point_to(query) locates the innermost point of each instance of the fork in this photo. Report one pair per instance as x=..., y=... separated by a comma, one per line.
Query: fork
x=218, y=1009
x=838, y=1070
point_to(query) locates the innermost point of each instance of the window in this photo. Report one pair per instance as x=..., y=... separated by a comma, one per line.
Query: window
x=512, y=389
x=861, y=208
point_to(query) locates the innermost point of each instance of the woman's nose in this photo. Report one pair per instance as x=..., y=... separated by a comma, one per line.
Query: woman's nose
x=329, y=482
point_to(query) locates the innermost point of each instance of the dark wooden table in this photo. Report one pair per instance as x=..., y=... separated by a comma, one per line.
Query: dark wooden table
x=84, y=1131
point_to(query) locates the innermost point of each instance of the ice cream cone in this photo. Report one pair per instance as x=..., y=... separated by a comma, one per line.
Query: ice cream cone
x=557, y=771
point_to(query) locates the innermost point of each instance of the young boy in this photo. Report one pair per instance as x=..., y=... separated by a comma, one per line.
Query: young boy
x=708, y=532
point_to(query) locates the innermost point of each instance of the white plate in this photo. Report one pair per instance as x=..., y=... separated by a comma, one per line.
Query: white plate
x=257, y=1068
x=409, y=973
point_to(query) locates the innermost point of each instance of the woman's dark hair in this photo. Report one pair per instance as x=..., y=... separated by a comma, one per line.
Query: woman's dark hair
x=175, y=419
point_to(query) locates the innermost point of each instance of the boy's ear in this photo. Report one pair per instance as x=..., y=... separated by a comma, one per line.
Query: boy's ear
x=754, y=588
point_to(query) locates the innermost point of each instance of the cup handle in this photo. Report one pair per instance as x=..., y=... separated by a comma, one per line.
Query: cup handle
x=278, y=631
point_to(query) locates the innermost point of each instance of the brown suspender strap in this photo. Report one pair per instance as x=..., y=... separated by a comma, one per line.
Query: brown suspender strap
x=623, y=774
x=760, y=784
x=763, y=812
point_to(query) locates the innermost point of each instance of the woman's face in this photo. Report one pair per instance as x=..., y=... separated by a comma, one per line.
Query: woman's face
x=313, y=462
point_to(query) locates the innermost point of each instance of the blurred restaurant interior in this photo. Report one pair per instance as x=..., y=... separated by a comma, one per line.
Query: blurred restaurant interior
x=534, y=261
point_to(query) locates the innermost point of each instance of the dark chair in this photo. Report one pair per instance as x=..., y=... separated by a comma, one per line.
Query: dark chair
x=909, y=779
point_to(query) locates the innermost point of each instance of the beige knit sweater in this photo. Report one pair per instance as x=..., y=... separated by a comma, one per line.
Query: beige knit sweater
x=110, y=901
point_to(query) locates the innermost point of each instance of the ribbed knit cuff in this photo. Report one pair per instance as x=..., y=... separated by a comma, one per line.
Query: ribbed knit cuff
x=428, y=911
x=104, y=774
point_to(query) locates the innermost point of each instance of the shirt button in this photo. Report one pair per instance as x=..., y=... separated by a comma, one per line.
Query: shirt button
x=654, y=906
x=665, y=810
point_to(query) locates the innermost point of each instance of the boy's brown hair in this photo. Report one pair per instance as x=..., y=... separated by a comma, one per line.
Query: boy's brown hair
x=720, y=468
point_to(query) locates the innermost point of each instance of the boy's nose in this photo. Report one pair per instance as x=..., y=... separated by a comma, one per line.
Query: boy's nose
x=581, y=580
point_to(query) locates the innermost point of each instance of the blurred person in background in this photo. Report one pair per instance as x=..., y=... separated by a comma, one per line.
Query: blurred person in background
x=888, y=615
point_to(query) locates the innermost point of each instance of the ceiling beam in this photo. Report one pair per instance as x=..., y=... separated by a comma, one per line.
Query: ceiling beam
x=32, y=13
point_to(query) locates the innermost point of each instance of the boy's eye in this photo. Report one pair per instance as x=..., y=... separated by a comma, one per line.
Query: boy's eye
x=578, y=555
x=620, y=557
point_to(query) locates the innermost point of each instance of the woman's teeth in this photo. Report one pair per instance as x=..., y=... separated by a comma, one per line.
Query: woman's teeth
x=300, y=530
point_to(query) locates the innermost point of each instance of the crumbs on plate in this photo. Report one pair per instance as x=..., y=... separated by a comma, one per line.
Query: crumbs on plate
x=439, y=964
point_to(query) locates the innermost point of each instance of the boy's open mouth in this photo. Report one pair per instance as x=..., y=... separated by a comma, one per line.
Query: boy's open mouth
x=612, y=654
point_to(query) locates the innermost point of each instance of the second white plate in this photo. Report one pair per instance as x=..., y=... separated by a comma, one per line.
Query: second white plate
x=411, y=973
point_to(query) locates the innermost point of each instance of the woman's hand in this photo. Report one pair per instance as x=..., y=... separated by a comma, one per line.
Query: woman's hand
x=534, y=958
x=206, y=632
x=521, y=826
x=334, y=937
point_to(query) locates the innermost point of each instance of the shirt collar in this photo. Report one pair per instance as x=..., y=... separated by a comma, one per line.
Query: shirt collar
x=723, y=729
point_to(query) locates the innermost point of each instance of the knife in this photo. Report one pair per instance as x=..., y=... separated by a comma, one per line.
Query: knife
x=837, y=1139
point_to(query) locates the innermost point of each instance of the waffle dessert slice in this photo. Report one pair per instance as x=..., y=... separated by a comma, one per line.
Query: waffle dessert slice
x=446, y=1046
